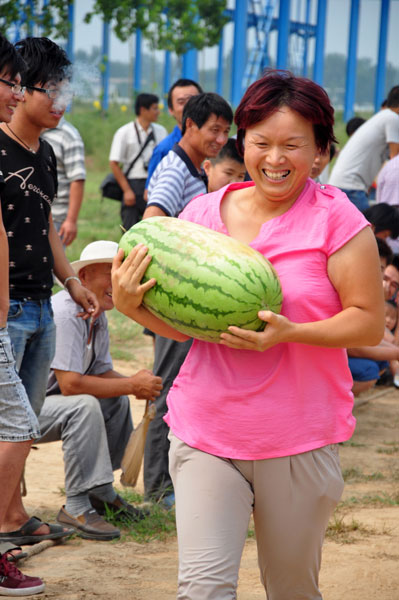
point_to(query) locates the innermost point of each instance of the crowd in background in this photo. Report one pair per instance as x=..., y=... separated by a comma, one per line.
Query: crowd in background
x=159, y=173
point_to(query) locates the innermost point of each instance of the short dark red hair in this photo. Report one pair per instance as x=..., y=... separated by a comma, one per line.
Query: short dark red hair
x=281, y=88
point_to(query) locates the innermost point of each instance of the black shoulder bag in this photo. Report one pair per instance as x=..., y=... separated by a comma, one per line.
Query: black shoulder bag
x=109, y=187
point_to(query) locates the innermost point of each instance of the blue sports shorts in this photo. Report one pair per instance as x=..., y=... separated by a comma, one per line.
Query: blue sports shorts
x=365, y=369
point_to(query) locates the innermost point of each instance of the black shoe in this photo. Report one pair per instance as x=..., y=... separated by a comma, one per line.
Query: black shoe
x=119, y=507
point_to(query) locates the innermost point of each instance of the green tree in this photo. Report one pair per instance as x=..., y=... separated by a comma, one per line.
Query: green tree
x=176, y=25
x=53, y=20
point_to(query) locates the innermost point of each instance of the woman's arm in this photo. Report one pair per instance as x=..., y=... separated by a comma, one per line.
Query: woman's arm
x=354, y=271
x=128, y=292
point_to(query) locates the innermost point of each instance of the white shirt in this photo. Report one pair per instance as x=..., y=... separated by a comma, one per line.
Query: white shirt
x=126, y=145
x=364, y=153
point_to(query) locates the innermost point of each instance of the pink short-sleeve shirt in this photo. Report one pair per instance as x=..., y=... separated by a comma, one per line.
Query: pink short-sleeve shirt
x=293, y=397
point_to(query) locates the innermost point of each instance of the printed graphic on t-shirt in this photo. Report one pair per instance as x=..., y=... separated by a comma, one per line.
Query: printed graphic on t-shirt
x=29, y=188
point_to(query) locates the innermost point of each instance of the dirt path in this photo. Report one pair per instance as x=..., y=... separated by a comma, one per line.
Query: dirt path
x=361, y=554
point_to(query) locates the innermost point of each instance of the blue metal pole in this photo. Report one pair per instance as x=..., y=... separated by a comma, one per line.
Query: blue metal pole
x=382, y=56
x=106, y=62
x=190, y=68
x=137, y=63
x=166, y=77
x=351, y=62
x=70, y=41
x=283, y=34
x=306, y=41
x=219, y=75
x=318, y=69
x=239, y=50
x=30, y=23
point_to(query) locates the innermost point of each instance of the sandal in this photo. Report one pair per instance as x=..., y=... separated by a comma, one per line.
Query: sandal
x=8, y=548
x=26, y=534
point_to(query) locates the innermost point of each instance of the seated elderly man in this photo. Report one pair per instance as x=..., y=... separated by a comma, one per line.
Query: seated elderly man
x=87, y=405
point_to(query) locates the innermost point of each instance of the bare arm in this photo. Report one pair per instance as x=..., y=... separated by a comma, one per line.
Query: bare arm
x=69, y=228
x=384, y=351
x=354, y=271
x=393, y=149
x=62, y=269
x=143, y=384
x=128, y=292
x=4, y=293
x=154, y=211
x=129, y=196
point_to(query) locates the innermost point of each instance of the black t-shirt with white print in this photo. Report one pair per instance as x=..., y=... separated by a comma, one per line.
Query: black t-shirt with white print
x=28, y=191
x=1, y=178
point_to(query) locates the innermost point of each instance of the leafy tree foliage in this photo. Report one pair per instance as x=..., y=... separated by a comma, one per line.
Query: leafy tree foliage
x=176, y=25
x=53, y=19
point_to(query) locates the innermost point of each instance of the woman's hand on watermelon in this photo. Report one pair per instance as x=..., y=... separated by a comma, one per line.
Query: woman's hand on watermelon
x=277, y=330
x=127, y=291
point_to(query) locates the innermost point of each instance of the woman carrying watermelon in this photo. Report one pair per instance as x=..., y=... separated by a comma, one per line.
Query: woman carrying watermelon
x=255, y=420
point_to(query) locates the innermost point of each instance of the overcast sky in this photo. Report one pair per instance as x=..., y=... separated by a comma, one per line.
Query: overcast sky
x=337, y=30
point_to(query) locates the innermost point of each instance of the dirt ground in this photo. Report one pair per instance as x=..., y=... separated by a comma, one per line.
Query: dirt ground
x=361, y=553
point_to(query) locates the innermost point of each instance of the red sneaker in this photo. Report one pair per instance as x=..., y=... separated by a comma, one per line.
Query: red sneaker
x=15, y=583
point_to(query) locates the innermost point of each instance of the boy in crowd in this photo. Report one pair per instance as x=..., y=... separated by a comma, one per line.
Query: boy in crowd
x=35, y=249
x=227, y=167
x=18, y=423
x=132, y=147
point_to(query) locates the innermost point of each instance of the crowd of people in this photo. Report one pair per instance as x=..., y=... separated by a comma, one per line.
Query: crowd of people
x=260, y=443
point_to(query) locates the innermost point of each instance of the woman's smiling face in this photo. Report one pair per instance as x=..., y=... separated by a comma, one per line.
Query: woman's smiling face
x=279, y=153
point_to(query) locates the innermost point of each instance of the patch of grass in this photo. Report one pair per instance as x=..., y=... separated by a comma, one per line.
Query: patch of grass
x=159, y=524
x=352, y=444
x=339, y=530
x=97, y=129
x=378, y=499
x=394, y=474
x=351, y=474
x=124, y=334
x=355, y=474
x=390, y=448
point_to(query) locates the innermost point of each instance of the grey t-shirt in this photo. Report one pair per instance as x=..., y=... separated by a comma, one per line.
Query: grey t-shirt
x=363, y=155
x=72, y=351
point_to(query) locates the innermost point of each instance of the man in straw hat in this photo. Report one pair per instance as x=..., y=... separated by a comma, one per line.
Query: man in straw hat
x=87, y=405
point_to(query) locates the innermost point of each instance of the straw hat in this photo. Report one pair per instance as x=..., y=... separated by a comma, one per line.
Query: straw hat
x=101, y=251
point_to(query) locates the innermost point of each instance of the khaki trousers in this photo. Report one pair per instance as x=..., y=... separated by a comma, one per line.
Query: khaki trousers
x=291, y=499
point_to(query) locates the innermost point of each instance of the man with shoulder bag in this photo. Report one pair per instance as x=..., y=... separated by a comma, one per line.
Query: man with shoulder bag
x=131, y=150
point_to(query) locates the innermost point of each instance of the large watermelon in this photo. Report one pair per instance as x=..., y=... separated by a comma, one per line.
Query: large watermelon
x=206, y=280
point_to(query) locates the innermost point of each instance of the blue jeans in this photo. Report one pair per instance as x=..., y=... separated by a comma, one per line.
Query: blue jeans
x=18, y=422
x=32, y=331
x=358, y=198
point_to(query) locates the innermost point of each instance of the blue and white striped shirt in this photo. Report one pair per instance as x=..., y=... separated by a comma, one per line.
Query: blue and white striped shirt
x=175, y=182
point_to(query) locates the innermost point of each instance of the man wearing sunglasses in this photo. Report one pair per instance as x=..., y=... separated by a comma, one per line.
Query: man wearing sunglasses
x=35, y=249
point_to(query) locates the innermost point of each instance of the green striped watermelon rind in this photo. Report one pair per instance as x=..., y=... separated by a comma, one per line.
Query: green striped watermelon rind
x=190, y=264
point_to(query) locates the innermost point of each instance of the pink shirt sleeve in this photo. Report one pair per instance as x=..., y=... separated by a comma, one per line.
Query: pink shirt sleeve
x=344, y=222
